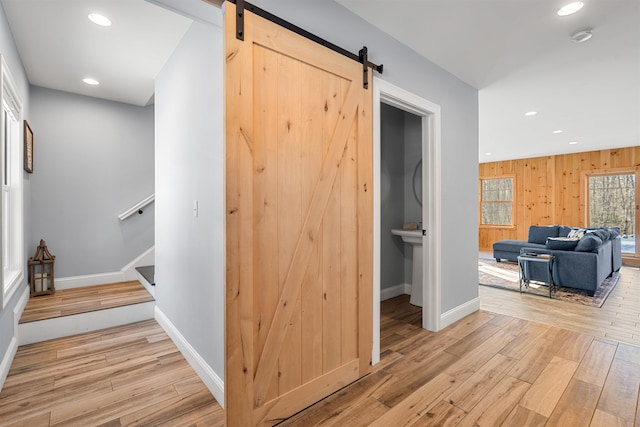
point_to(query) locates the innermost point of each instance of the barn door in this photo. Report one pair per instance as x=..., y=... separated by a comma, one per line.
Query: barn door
x=299, y=222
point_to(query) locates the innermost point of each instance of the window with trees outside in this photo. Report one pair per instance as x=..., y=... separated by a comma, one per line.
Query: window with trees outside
x=613, y=203
x=11, y=154
x=496, y=201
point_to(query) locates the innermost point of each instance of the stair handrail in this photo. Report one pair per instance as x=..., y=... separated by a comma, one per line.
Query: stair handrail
x=137, y=207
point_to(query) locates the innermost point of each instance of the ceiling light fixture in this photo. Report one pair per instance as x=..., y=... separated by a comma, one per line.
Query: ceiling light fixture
x=573, y=142
x=90, y=81
x=570, y=8
x=530, y=113
x=557, y=131
x=98, y=19
x=581, y=36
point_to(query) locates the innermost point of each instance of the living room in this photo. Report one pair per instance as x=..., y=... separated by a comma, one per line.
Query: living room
x=563, y=190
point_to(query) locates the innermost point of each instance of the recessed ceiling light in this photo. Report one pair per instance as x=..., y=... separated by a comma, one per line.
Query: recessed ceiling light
x=530, y=113
x=98, y=19
x=90, y=81
x=570, y=8
x=488, y=154
x=573, y=142
x=557, y=131
x=581, y=36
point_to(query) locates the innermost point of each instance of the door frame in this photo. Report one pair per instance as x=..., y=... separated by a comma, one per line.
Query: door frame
x=387, y=93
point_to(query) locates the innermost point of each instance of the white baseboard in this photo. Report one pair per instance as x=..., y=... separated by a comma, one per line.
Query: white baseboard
x=7, y=360
x=459, y=312
x=214, y=383
x=58, y=327
x=128, y=272
x=394, y=291
x=5, y=364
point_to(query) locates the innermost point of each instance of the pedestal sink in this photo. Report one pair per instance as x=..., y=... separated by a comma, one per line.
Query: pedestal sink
x=414, y=238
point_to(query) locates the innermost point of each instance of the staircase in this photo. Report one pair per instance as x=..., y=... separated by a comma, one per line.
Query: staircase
x=90, y=308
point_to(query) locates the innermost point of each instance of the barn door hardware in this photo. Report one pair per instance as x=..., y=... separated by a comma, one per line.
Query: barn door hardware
x=362, y=57
x=240, y=19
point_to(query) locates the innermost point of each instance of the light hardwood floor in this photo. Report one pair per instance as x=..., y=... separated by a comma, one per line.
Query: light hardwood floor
x=488, y=369
x=617, y=319
x=127, y=375
x=66, y=302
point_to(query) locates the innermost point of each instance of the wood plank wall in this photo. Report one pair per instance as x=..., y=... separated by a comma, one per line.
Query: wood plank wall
x=551, y=190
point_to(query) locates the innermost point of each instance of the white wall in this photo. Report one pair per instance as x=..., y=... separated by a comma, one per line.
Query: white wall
x=93, y=159
x=12, y=58
x=459, y=106
x=190, y=166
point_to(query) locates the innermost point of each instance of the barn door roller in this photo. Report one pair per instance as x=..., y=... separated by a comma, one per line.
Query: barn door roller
x=362, y=56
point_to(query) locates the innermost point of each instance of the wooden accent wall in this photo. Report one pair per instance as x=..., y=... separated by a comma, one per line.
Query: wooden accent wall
x=551, y=190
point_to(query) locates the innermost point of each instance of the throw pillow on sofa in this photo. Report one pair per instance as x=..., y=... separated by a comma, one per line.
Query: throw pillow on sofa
x=576, y=232
x=561, y=243
x=540, y=233
x=588, y=243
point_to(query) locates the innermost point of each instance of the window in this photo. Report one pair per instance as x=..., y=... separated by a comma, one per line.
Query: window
x=612, y=203
x=496, y=195
x=11, y=164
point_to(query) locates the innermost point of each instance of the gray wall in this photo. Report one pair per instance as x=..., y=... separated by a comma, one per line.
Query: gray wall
x=392, y=248
x=403, y=67
x=190, y=166
x=12, y=58
x=93, y=159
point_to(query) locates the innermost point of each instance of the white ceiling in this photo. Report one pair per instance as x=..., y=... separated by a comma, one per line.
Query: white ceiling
x=516, y=52
x=59, y=46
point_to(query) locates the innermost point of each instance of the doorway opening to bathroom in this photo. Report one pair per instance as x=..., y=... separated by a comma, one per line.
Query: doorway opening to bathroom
x=406, y=195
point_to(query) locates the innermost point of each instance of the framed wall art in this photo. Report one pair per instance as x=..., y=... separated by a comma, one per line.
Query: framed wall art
x=28, y=148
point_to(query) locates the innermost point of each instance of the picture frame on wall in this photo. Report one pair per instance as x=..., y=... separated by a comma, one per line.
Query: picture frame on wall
x=28, y=148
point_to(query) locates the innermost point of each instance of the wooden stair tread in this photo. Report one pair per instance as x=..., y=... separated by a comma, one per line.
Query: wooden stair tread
x=67, y=302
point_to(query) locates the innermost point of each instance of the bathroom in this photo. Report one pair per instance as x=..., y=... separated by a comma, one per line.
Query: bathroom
x=400, y=197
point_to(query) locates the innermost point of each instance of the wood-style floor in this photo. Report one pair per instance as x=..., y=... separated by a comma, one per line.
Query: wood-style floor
x=488, y=369
x=123, y=376
x=66, y=302
x=617, y=319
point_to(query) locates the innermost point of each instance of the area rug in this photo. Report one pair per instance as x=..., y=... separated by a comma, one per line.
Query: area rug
x=504, y=275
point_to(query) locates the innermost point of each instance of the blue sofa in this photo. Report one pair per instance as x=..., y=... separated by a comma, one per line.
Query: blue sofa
x=582, y=263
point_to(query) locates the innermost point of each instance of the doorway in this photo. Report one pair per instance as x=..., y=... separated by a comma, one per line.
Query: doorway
x=430, y=168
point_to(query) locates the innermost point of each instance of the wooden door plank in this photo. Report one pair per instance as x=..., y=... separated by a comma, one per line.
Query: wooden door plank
x=365, y=225
x=239, y=364
x=311, y=299
x=290, y=209
x=291, y=402
x=265, y=196
x=304, y=247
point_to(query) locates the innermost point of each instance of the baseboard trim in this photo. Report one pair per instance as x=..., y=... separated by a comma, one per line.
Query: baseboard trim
x=5, y=365
x=128, y=272
x=214, y=383
x=459, y=312
x=9, y=355
x=394, y=291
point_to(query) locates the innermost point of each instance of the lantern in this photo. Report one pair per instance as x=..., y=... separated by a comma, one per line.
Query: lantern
x=41, y=271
